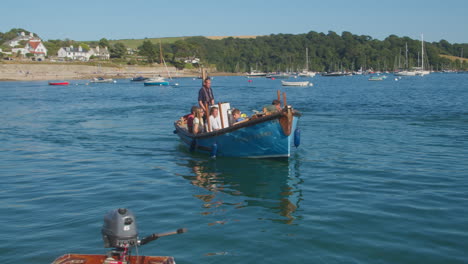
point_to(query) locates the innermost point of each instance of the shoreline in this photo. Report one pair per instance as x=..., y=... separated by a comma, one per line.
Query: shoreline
x=54, y=72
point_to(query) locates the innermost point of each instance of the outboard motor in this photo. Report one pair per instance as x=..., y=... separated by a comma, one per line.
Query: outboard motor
x=119, y=229
x=120, y=232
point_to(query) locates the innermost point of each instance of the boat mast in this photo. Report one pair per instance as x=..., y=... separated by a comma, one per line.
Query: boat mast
x=406, y=55
x=160, y=53
x=422, y=53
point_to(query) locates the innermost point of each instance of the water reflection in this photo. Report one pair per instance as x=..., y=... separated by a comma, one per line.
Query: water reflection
x=270, y=184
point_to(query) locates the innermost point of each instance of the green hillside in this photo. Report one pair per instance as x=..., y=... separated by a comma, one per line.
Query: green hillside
x=135, y=43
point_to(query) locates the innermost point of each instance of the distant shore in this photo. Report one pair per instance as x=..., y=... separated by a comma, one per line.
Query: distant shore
x=37, y=72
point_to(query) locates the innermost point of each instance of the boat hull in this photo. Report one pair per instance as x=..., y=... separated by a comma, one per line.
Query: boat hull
x=59, y=83
x=100, y=259
x=266, y=137
x=156, y=83
x=294, y=83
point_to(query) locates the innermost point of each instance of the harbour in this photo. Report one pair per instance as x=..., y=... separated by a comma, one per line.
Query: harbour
x=379, y=176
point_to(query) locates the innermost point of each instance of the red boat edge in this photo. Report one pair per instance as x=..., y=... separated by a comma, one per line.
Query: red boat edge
x=101, y=259
x=59, y=83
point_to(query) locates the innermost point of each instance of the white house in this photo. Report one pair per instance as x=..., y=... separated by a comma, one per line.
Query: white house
x=74, y=53
x=37, y=48
x=101, y=53
x=33, y=45
x=22, y=36
x=78, y=53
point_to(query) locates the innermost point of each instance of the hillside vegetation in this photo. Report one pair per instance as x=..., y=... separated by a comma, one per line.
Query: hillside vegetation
x=278, y=52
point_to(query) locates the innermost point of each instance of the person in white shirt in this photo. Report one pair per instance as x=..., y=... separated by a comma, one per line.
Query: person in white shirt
x=215, y=120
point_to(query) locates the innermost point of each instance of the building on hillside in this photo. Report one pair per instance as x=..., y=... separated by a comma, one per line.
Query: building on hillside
x=74, y=53
x=192, y=60
x=81, y=54
x=22, y=36
x=100, y=53
x=33, y=45
x=36, y=47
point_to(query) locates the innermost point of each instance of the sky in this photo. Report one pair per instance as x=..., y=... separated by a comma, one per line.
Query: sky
x=87, y=20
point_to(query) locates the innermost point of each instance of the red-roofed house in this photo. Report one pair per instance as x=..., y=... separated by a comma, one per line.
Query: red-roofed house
x=36, y=47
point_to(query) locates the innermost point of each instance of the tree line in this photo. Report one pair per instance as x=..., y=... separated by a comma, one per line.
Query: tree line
x=326, y=52
x=287, y=52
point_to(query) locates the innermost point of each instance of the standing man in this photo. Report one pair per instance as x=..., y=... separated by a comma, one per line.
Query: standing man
x=205, y=95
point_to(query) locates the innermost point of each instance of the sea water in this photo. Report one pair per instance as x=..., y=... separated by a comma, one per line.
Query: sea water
x=381, y=175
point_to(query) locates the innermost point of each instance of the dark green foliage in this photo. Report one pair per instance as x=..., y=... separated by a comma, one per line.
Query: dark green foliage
x=148, y=50
x=327, y=52
x=118, y=50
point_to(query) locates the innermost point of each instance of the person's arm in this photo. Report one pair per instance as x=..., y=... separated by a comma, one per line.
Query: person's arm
x=202, y=105
x=196, y=125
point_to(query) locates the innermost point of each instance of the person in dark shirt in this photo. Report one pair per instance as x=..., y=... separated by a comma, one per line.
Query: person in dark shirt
x=205, y=95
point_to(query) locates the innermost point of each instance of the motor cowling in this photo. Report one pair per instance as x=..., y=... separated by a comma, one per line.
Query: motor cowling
x=119, y=229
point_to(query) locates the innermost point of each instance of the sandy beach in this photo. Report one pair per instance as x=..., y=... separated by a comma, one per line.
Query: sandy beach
x=33, y=72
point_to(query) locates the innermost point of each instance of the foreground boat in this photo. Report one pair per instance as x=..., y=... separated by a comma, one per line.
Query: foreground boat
x=103, y=259
x=59, y=83
x=120, y=232
x=270, y=135
x=285, y=83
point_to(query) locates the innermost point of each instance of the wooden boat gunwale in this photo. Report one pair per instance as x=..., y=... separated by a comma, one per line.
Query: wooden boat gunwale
x=236, y=126
x=100, y=259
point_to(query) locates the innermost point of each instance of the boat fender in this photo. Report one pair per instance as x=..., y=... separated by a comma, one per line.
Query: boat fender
x=193, y=145
x=214, y=150
x=297, y=137
x=175, y=131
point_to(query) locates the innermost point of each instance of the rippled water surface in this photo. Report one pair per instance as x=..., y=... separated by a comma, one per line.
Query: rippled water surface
x=381, y=175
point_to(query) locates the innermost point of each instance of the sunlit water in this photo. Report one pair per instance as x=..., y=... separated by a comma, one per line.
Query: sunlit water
x=381, y=175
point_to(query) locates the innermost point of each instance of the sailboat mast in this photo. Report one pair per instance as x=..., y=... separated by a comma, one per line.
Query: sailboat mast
x=307, y=59
x=406, y=55
x=160, y=53
x=422, y=53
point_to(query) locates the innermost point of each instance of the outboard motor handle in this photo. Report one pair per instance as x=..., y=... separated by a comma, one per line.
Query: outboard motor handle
x=155, y=236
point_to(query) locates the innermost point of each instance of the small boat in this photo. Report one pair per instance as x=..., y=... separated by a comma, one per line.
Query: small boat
x=59, y=83
x=306, y=74
x=263, y=135
x=157, y=81
x=138, y=79
x=104, y=259
x=285, y=83
x=120, y=232
x=336, y=74
x=376, y=78
x=282, y=75
x=102, y=80
x=405, y=73
x=256, y=74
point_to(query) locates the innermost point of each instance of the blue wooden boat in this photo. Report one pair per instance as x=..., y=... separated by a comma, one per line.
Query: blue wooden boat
x=270, y=135
x=159, y=81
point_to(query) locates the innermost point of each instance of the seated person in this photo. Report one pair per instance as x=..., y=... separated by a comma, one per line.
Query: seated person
x=215, y=120
x=189, y=119
x=198, y=123
x=236, y=114
x=275, y=106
